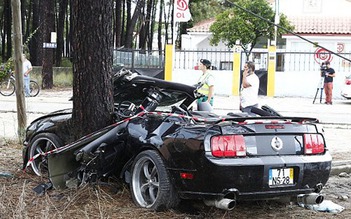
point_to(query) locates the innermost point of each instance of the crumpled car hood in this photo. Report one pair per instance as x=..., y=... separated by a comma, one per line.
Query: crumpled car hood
x=134, y=87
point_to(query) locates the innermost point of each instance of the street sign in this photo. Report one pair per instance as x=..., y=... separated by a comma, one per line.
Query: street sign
x=50, y=45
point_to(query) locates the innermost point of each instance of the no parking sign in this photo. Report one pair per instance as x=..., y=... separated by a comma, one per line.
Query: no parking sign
x=322, y=55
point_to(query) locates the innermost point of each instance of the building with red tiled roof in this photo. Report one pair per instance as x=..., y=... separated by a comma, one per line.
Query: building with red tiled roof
x=319, y=29
x=303, y=25
x=321, y=25
x=203, y=26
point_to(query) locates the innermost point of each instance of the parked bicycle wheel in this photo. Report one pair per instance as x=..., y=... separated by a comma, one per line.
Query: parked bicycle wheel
x=7, y=87
x=34, y=88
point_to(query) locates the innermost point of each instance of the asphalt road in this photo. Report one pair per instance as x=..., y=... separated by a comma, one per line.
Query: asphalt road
x=335, y=118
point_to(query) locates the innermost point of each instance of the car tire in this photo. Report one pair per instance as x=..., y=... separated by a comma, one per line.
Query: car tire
x=151, y=186
x=42, y=143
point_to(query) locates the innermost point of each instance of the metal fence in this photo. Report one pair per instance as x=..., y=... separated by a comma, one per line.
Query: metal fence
x=138, y=59
x=310, y=61
x=188, y=59
x=223, y=59
x=285, y=60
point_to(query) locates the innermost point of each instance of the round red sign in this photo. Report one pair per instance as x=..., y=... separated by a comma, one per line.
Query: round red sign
x=322, y=55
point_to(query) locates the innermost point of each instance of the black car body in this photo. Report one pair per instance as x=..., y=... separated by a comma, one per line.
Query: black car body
x=166, y=151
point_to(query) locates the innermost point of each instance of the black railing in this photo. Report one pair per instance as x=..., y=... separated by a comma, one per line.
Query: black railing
x=134, y=59
x=223, y=59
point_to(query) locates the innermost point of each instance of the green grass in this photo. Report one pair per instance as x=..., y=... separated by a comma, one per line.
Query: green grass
x=62, y=77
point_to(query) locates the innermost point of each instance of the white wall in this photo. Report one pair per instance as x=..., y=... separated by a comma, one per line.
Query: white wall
x=304, y=84
x=199, y=41
x=287, y=84
x=315, y=7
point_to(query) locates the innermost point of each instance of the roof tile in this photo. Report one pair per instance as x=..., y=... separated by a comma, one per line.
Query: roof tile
x=303, y=24
x=321, y=24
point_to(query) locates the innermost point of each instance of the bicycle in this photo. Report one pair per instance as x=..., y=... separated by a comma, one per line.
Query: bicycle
x=8, y=86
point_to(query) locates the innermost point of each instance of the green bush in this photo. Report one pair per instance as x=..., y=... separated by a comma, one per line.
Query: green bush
x=66, y=62
x=5, y=68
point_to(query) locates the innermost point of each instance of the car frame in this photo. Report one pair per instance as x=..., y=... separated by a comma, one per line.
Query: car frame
x=166, y=151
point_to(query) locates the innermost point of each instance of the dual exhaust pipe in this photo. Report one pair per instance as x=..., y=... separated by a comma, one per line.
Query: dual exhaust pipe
x=229, y=204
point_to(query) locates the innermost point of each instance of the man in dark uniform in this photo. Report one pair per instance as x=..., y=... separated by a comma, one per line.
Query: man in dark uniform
x=328, y=83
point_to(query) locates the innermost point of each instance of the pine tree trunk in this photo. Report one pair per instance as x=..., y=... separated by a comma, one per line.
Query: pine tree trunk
x=36, y=41
x=48, y=53
x=131, y=24
x=92, y=65
x=7, y=30
x=118, y=24
x=60, y=29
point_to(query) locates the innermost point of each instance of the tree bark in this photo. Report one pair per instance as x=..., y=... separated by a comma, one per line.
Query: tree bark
x=21, y=105
x=36, y=41
x=48, y=53
x=152, y=27
x=92, y=65
x=60, y=30
x=131, y=25
x=7, y=47
x=159, y=29
x=118, y=23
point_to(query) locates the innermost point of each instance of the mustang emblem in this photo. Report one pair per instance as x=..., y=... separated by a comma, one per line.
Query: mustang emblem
x=277, y=143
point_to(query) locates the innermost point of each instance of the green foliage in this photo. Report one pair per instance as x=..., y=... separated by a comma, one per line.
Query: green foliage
x=66, y=62
x=204, y=9
x=6, y=68
x=236, y=24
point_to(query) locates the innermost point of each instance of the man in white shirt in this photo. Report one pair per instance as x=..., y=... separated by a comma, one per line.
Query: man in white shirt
x=249, y=88
x=27, y=68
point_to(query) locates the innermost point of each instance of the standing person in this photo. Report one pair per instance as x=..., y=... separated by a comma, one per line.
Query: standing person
x=207, y=81
x=27, y=68
x=249, y=88
x=329, y=74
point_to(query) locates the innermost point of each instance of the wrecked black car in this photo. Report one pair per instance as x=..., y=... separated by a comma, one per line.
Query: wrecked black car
x=166, y=151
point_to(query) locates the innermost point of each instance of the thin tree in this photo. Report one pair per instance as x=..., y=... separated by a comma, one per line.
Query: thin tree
x=63, y=4
x=7, y=37
x=48, y=53
x=132, y=23
x=21, y=106
x=118, y=23
x=36, y=41
x=159, y=28
x=92, y=43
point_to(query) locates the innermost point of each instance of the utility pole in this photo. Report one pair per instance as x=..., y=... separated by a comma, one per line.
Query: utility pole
x=18, y=60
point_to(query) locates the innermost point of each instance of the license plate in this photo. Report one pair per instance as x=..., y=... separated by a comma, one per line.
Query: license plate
x=281, y=176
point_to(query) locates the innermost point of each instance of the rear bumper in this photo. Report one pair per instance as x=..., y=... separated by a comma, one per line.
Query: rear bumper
x=248, y=178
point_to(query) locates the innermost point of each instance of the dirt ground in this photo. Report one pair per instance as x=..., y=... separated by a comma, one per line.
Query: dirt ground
x=18, y=200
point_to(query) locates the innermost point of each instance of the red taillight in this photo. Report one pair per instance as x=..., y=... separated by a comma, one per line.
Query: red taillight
x=348, y=81
x=228, y=146
x=314, y=144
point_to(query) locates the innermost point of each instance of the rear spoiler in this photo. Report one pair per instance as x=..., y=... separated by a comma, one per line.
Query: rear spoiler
x=270, y=118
